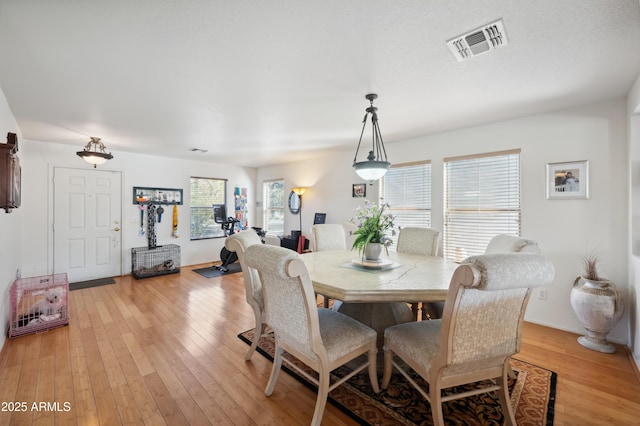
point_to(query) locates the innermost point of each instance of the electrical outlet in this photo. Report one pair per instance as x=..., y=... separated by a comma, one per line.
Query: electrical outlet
x=542, y=294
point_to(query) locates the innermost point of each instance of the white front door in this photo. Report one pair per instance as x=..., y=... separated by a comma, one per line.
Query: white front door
x=86, y=223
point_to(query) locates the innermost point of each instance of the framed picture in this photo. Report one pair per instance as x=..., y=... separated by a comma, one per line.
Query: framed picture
x=568, y=180
x=359, y=190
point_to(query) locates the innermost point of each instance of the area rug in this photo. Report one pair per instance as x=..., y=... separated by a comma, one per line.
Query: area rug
x=213, y=272
x=532, y=393
x=91, y=283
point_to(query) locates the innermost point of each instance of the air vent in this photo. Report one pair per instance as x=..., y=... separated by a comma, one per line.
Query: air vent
x=481, y=40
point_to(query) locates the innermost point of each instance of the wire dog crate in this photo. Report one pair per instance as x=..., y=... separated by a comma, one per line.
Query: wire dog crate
x=150, y=262
x=38, y=304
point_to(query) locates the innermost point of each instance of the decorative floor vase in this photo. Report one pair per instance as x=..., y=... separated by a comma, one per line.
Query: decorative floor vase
x=372, y=252
x=598, y=305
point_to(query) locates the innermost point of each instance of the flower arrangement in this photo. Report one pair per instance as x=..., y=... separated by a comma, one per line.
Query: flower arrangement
x=373, y=223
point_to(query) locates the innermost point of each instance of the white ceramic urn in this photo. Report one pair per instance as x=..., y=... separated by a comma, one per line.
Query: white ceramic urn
x=598, y=305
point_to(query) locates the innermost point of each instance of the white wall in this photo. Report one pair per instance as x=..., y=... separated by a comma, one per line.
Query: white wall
x=563, y=228
x=138, y=170
x=10, y=224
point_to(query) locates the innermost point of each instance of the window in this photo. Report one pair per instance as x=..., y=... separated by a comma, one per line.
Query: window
x=273, y=201
x=482, y=199
x=205, y=192
x=407, y=190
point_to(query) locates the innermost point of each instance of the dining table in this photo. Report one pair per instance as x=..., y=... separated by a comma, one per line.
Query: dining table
x=378, y=294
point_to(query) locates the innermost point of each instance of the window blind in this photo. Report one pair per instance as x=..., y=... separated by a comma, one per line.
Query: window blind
x=482, y=199
x=407, y=190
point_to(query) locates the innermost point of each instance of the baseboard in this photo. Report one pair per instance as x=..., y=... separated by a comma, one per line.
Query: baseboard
x=635, y=362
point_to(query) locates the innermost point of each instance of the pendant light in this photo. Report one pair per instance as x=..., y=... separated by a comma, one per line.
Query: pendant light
x=376, y=164
x=94, y=153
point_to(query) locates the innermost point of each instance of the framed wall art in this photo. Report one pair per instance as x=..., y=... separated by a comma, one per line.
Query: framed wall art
x=142, y=195
x=359, y=190
x=568, y=180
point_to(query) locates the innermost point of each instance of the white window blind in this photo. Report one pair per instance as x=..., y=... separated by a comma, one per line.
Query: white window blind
x=407, y=190
x=482, y=199
x=273, y=202
x=205, y=192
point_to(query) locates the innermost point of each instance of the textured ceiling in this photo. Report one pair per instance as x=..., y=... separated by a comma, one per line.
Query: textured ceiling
x=259, y=82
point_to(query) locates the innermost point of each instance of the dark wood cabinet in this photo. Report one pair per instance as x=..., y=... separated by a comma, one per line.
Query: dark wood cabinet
x=10, y=174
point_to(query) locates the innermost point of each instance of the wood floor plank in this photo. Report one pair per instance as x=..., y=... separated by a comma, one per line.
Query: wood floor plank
x=165, y=351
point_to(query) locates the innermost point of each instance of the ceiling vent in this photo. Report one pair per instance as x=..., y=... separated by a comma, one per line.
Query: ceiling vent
x=481, y=40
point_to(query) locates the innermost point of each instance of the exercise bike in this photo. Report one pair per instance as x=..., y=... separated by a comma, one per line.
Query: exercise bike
x=228, y=225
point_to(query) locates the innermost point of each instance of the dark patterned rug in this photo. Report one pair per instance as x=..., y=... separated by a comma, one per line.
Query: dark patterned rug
x=532, y=393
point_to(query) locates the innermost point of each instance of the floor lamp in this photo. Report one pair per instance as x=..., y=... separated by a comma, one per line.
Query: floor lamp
x=299, y=190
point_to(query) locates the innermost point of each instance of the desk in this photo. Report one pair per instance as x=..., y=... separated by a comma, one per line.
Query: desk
x=379, y=298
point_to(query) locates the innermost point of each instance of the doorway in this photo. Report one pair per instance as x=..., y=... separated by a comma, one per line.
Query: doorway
x=87, y=223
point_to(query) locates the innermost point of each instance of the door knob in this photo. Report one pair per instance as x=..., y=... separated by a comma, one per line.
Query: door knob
x=116, y=229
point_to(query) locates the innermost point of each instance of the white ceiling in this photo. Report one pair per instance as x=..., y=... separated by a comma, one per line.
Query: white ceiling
x=258, y=82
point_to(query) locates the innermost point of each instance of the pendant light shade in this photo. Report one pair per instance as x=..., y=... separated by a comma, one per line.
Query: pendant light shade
x=94, y=153
x=376, y=164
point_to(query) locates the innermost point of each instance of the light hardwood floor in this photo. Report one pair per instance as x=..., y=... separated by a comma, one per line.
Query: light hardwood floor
x=164, y=350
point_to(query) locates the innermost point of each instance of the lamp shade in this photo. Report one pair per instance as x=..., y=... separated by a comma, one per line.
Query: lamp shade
x=94, y=152
x=299, y=190
x=372, y=170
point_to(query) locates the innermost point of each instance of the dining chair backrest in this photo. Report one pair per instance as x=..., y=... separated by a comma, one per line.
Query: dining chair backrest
x=289, y=301
x=328, y=236
x=238, y=243
x=485, y=307
x=503, y=243
x=415, y=240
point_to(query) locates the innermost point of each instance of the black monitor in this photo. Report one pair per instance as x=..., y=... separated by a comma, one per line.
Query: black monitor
x=219, y=213
x=319, y=218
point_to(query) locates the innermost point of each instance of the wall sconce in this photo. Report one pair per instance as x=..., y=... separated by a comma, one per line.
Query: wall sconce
x=94, y=153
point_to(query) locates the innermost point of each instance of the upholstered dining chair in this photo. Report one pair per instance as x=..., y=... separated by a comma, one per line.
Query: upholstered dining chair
x=479, y=331
x=239, y=242
x=328, y=236
x=321, y=338
x=423, y=241
x=415, y=240
x=503, y=243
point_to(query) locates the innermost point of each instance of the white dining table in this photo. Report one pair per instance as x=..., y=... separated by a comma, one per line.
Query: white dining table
x=378, y=295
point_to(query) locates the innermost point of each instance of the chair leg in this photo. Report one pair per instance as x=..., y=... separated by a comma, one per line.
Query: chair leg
x=321, y=401
x=258, y=332
x=505, y=399
x=388, y=367
x=510, y=372
x=435, y=396
x=275, y=370
x=373, y=368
